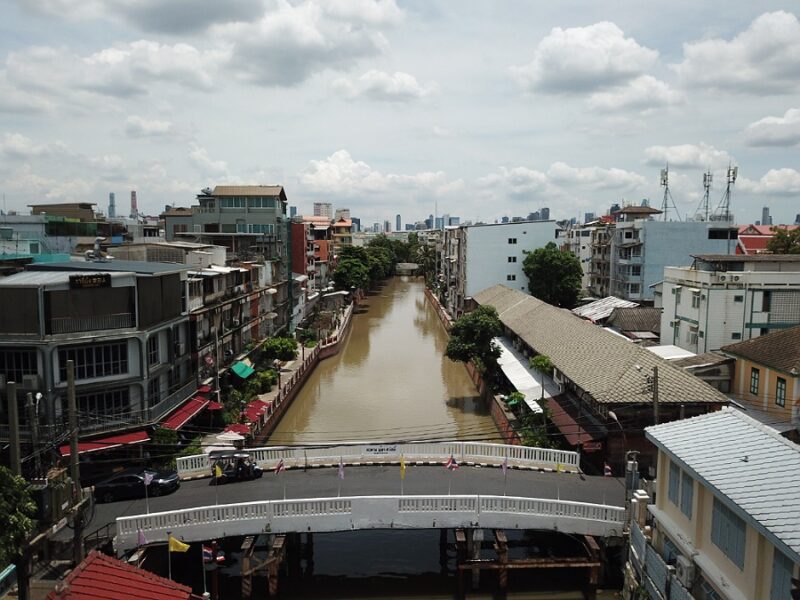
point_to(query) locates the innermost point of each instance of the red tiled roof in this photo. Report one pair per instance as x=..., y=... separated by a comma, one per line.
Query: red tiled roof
x=180, y=417
x=134, y=437
x=240, y=428
x=101, y=577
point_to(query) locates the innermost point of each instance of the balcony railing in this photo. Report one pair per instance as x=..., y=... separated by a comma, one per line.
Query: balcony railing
x=92, y=323
x=171, y=402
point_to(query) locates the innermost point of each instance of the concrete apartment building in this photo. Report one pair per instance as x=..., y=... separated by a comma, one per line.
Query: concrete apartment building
x=578, y=240
x=724, y=299
x=726, y=519
x=124, y=324
x=642, y=247
x=323, y=209
x=476, y=257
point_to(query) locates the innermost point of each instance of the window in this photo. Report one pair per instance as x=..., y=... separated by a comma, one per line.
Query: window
x=154, y=391
x=180, y=228
x=152, y=350
x=512, y=259
x=736, y=336
x=782, y=568
x=512, y=240
x=16, y=363
x=766, y=298
x=636, y=270
x=677, y=296
x=687, y=494
x=780, y=392
x=754, y=375
x=738, y=298
x=511, y=277
x=674, y=483
x=261, y=203
x=633, y=288
x=696, y=299
x=106, y=403
x=102, y=360
x=728, y=533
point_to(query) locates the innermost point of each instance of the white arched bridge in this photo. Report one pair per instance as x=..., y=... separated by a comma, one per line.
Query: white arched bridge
x=540, y=490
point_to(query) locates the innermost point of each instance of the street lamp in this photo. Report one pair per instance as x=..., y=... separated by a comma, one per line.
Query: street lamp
x=614, y=418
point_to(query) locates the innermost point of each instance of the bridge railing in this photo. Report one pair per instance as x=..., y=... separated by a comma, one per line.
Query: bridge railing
x=387, y=452
x=371, y=512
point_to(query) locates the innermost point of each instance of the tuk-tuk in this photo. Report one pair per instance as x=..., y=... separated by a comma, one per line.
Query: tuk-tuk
x=235, y=465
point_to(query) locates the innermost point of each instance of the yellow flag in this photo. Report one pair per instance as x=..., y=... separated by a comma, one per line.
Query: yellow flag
x=558, y=468
x=217, y=471
x=402, y=467
x=176, y=545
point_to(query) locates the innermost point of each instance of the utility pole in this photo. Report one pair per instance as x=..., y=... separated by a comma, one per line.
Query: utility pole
x=77, y=542
x=655, y=395
x=13, y=428
x=33, y=423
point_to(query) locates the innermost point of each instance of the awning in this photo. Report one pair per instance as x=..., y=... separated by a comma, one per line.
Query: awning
x=115, y=441
x=301, y=278
x=180, y=417
x=254, y=411
x=214, y=406
x=524, y=379
x=204, y=389
x=565, y=415
x=242, y=370
x=239, y=428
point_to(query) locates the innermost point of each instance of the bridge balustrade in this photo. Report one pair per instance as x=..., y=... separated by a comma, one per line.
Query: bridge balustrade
x=371, y=512
x=382, y=453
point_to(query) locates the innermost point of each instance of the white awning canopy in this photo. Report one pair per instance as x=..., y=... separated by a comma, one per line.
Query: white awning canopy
x=526, y=380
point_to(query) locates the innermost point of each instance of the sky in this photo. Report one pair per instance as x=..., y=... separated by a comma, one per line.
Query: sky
x=475, y=108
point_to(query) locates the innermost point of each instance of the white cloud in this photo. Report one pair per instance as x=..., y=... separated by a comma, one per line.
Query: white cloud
x=584, y=59
x=199, y=157
x=380, y=86
x=139, y=127
x=775, y=131
x=642, y=94
x=775, y=182
x=293, y=42
x=595, y=178
x=340, y=174
x=694, y=156
x=20, y=147
x=375, y=12
x=763, y=59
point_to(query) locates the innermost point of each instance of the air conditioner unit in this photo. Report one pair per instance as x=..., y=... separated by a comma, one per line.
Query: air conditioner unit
x=736, y=278
x=684, y=571
x=672, y=323
x=723, y=277
x=30, y=382
x=236, y=322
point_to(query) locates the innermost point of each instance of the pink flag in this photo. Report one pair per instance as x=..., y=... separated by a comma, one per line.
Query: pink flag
x=607, y=470
x=140, y=539
x=341, y=469
x=148, y=478
x=280, y=467
x=451, y=463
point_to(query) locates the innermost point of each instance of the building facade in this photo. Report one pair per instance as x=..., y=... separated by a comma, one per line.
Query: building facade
x=724, y=299
x=323, y=209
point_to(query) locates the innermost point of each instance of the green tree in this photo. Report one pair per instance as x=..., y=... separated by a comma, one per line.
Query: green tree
x=351, y=273
x=784, y=241
x=553, y=276
x=471, y=338
x=282, y=348
x=353, y=252
x=544, y=365
x=18, y=510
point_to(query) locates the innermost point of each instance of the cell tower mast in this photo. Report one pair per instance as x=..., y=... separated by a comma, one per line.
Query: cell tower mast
x=702, y=210
x=667, y=195
x=724, y=208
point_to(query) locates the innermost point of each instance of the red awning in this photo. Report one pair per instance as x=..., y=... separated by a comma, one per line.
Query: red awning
x=240, y=428
x=134, y=437
x=254, y=410
x=214, y=406
x=204, y=389
x=565, y=415
x=180, y=417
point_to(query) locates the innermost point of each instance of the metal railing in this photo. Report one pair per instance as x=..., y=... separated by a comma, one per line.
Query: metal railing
x=172, y=401
x=372, y=512
x=92, y=323
x=383, y=453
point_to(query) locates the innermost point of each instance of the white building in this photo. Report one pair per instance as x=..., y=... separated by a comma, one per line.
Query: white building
x=323, y=209
x=578, y=240
x=726, y=518
x=722, y=299
x=477, y=257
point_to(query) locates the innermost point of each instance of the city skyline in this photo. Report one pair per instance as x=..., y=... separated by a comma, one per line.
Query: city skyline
x=560, y=107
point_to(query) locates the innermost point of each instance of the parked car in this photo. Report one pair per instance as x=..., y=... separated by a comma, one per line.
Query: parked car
x=129, y=484
x=234, y=465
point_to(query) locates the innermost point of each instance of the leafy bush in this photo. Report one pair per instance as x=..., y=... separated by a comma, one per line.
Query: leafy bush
x=280, y=348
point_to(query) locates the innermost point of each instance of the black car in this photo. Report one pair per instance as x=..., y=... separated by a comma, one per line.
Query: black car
x=232, y=465
x=129, y=484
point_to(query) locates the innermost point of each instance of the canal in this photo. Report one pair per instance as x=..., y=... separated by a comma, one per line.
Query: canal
x=391, y=381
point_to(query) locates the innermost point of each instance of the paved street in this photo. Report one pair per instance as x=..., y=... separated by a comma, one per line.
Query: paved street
x=374, y=480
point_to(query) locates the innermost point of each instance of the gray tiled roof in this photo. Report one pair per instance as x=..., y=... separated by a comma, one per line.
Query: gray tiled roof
x=641, y=318
x=606, y=366
x=779, y=350
x=745, y=462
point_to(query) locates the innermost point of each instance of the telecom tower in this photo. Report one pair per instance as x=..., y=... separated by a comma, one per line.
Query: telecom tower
x=724, y=208
x=667, y=195
x=702, y=210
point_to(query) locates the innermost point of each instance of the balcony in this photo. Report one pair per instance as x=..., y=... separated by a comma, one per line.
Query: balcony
x=171, y=402
x=93, y=323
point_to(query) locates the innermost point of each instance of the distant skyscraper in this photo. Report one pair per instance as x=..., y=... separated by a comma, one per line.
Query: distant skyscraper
x=387, y=226
x=588, y=217
x=376, y=228
x=544, y=214
x=454, y=221
x=292, y=211
x=134, y=207
x=341, y=213
x=112, y=207
x=534, y=216
x=356, y=224
x=397, y=226
x=797, y=220
x=323, y=209
x=614, y=208
x=410, y=227
x=429, y=222
x=504, y=220
x=439, y=223
x=765, y=218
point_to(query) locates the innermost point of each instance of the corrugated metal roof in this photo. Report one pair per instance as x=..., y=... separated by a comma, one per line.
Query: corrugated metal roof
x=746, y=463
x=526, y=380
x=133, y=266
x=639, y=318
x=608, y=367
x=602, y=309
x=40, y=278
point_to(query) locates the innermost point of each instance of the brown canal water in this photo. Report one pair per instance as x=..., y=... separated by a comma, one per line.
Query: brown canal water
x=391, y=380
